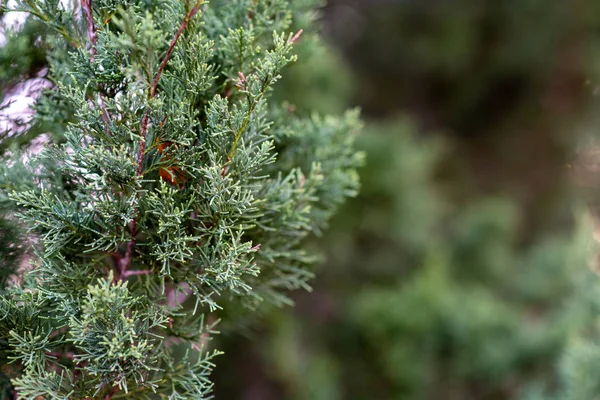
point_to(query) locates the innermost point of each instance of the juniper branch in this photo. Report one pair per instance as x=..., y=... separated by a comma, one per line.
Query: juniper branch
x=180, y=31
x=86, y=5
x=144, y=129
x=98, y=198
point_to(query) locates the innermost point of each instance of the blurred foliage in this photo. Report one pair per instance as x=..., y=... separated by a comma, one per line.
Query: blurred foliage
x=466, y=65
x=23, y=55
x=12, y=247
x=507, y=81
x=421, y=299
x=456, y=273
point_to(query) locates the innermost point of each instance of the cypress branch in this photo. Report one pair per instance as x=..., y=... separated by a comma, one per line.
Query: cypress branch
x=172, y=199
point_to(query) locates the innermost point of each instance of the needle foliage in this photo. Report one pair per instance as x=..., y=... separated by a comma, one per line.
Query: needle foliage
x=171, y=192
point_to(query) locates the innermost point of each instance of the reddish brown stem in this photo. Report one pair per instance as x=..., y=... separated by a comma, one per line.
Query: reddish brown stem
x=224, y=171
x=105, y=114
x=112, y=392
x=69, y=354
x=296, y=36
x=129, y=254
x=182, y=27
x=137, y=272
x=144, y=132
x=59, y=331
x=154, y=85
x=86, y=5
x=126, y=261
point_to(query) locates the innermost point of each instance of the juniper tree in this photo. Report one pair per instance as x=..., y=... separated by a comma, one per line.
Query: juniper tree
x=178, y=194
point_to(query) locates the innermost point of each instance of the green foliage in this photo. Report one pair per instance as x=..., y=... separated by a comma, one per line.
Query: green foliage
x=577, y=372
x=172, y=191
x=423, y=299
x=580, y=371
x=432, y=291
x=21, y=46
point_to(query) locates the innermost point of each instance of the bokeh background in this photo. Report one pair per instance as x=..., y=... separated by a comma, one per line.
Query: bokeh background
x=466, y=268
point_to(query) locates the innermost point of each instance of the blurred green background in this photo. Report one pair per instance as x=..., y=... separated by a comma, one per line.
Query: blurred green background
x=461, y=271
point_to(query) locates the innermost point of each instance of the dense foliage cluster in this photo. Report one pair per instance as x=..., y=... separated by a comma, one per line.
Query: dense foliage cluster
x=171, y=192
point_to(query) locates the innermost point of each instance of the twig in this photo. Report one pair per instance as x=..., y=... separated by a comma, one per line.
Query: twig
x=105, y=114
x=86, y=5
x=137, y=272
x=182, y=27
x=241, y=84
x=112, y=392
x=126, y=261
x=152, y=91
x=176, y=298
x=69, y=354
x=296, y=36
x=144, y=132
x=59, y=331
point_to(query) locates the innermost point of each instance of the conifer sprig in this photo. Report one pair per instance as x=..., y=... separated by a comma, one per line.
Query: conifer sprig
x=174, y=198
